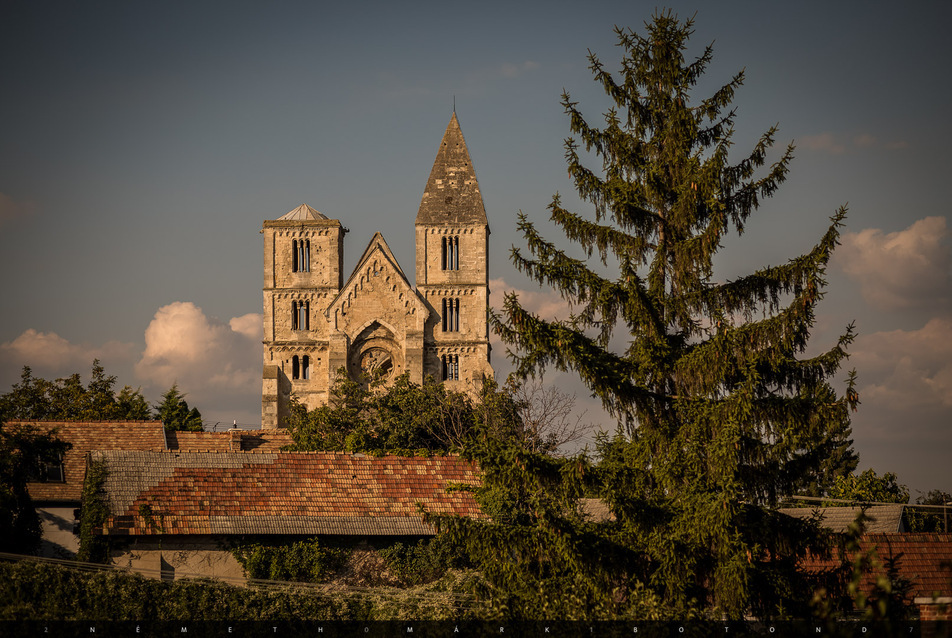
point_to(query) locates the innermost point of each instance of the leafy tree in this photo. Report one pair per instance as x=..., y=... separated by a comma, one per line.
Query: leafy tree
x=132, y=406
x=401, y=417
x=22, y=449
x=932, y=519
x=719, y=410
x=27, y=400
x=67, y=399
x=175, y=414
x=869, y=487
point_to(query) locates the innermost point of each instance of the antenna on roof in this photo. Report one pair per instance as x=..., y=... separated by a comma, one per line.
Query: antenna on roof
x=454, y=103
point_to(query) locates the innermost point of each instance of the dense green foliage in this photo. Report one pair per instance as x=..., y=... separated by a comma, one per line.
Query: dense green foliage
x=23, y=449
x=174, y=413
x=93, y=547
x=67, y=399
x=720, y=413
x=869, y=487
x=403, y=417
x=305, y=561
x=423, y=562
x=932, y=519
x=47, y=592
x=403, y=564
x=37, y=399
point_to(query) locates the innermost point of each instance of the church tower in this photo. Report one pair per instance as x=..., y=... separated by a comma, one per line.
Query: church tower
x=374, y=324
x=452, y=266
x=303, y=255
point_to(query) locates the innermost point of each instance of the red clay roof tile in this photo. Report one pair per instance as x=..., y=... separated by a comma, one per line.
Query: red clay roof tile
x=284, y=493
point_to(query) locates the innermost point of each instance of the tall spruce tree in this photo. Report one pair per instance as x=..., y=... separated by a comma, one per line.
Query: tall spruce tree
x=722, y=411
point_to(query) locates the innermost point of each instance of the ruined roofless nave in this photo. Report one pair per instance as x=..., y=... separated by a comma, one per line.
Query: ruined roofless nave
x=375, y=322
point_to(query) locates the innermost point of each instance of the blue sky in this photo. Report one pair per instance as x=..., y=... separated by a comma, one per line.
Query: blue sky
x=142, y=145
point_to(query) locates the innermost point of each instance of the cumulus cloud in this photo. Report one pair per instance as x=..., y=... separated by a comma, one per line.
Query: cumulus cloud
x=907, y=367
x=205, y=356
x=50, y=355
x=544, y=302
x=11, y=210
x=905, y=269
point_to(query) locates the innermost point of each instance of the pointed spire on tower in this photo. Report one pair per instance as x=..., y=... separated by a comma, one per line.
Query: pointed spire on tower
x=452, y=192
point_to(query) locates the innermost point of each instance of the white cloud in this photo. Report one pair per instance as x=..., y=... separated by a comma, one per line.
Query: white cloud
x=209, y=359
x=905, y=269
x=906, y=370
x=544, y=302
x=11, y=210
x=50, y=355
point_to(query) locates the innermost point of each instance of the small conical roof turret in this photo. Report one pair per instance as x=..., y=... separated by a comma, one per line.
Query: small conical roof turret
x=452, y=192
x=302, y=213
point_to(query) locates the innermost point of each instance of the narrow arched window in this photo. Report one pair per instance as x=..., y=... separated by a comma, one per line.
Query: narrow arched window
x=449, y=254
x=307, y=315
x=295, y=368
x=305, y=367
x=294, y=316
x=294, y=255
x=450, y=367
x=306, y=255
x=450, y=315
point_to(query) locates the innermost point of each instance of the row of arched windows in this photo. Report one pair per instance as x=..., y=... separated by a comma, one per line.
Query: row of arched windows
x=450, y=367
x=450, y=315
x=300, y=315
x=300, y=367
x=450, y=254
x=301, y=255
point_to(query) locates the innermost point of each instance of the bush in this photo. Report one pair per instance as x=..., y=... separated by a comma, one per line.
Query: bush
x=303, y=561
x=424, y=562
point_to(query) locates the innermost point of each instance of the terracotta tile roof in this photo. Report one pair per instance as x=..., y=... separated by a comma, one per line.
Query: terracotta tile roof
x=230, y=441
x=85, y=437
x=280, y=493
x=885, y=519
x=195, y=441
x=923, y=559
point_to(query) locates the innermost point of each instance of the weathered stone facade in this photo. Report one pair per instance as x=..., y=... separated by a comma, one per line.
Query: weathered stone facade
x=377, y=323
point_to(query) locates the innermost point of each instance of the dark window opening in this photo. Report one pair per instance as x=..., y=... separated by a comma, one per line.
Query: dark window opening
x=48, y=472
x=301, y=255
x=305, y=367
x=450, y=253
x=295, y=368
x=450, y=367
x=450, y=315
x=300, y=315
